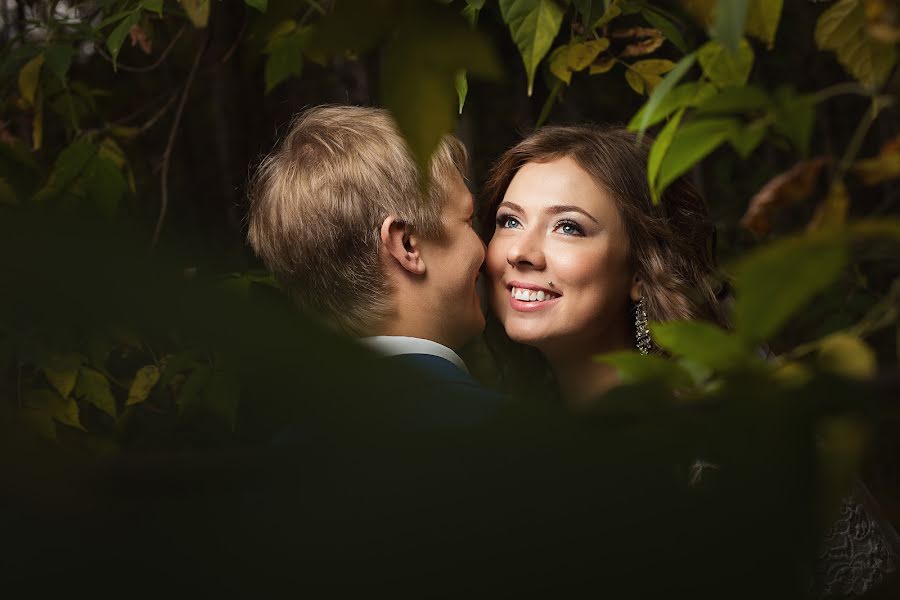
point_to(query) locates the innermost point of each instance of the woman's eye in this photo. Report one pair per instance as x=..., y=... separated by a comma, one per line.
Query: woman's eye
x=508, y=222
x=569, y=228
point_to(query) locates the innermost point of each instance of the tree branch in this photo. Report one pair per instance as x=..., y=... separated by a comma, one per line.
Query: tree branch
x=167, y=155
x=146, y=68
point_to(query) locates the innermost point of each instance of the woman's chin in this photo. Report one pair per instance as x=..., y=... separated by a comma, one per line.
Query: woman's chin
x=528, y=337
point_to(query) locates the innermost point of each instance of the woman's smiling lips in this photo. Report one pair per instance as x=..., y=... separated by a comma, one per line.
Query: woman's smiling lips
x=528, y=297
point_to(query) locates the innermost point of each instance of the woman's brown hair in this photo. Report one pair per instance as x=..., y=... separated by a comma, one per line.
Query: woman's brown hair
x=671, y=243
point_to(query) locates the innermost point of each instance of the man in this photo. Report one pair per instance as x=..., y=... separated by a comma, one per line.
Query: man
x=338, y=215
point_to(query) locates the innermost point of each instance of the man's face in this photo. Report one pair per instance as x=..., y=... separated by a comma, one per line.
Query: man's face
x=452, y=266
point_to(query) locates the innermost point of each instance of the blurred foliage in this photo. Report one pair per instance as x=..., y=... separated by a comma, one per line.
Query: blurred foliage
x=127, y=323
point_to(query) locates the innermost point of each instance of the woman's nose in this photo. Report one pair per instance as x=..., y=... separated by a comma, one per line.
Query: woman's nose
x=526, y=251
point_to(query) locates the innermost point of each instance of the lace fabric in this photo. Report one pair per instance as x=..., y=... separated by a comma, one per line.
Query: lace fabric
x=859, y=551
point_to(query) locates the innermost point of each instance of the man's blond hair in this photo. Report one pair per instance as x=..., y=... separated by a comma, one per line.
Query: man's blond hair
x=318, y=200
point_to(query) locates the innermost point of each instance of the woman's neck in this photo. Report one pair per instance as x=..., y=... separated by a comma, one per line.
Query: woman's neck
x=580, y=378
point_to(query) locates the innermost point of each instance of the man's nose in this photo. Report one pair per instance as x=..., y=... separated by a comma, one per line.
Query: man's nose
x=527, y=252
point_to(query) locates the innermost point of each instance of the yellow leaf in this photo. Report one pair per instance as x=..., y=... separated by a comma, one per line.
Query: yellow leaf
x=62, y=379
x=883, y=20
x=37, y=124
x=792, y=374
x=762, y=20
x=582, y=55
x=603, y=65
x=110, y=149
x=29, y=78
x=611, y=13
x=635, y=81
x=848, y=355
x=42, y=407
x=703, y=11
x=832, y=212
x=565, y=60
x=559, y=64
x=125, y=132
x=883, y=167
x=653, y=66
x=842, y=28
x=143, y=383
x=781, y=191
x=197, y=11
x=7, y=194
x=763, y=16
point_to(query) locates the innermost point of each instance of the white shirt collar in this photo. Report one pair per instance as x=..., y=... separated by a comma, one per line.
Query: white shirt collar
x=393, y=345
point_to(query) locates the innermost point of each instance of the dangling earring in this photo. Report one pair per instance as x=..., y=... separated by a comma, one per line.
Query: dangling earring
x=642, y=333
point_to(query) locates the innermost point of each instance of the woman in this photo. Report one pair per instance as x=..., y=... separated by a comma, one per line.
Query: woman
x=580, y=257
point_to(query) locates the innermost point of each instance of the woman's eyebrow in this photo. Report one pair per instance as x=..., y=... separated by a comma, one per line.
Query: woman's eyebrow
x=563, y=208
x=511, y=205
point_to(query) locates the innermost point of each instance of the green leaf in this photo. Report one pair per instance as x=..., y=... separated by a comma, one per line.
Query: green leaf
x=633, y=367
x=59, y=59
x=692, y=93
x=260, y=5
x=842, y=28
x=143, y=383
x=762, y=20
x=223, y=393
x=153, y=6
x=745, y=140
x=356, y=27
x=174, y=364
x=104, y=185
x=658, y=152
x=534, y=25
x=734, y=100
x=69, y=165
x=117, y=36
x=286, y=55
x=724, y=68
x=589, y=10
x=418, y=76
x=62, y=372
x=728, y=28
x=668, y=28
x=93, y=387
x=795, y=118
x=471, y=11
x=662, y=90
x=694, y=141
x=462, y=88
x=702, y=343
x=612, y=11
x=776, y=281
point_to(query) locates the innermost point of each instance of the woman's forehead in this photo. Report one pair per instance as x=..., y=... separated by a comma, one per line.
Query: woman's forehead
x=542, y=185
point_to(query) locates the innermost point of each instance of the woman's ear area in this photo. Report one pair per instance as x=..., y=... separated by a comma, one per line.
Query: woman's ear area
x=637, y=288
x=401, y=246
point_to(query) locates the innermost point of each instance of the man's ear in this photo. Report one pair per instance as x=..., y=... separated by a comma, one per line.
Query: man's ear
x=401, y=245
x=637, y=288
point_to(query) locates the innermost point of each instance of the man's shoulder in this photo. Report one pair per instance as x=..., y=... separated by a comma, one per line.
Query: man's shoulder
x=437, y=390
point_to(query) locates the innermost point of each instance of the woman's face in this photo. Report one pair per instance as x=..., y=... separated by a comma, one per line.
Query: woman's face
x=555, y=224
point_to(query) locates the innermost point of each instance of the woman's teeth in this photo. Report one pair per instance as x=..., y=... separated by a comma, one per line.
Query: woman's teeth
x=531, y=295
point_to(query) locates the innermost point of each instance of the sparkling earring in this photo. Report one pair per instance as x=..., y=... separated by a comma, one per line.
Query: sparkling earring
x=642, y=333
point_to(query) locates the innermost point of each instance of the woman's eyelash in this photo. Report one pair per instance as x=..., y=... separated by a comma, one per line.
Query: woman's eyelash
x=503, y=220
x=577, y=229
